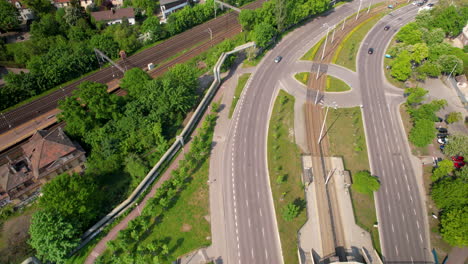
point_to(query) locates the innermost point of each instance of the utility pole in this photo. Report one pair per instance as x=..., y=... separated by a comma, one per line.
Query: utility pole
x=344, y=22
x=334, y=105
x=359, y=9
x=326, y=40
x=452, y=70
x=138, y=208
x=318, y=72
x=368, y=9
x=214, y=5
x=211, y=35
x=333, y=35
x=181, y=140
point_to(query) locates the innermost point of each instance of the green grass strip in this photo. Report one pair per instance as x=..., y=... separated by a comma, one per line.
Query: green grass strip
x=336, y=85
x=302, y=77
x=285, y=170
x=240, y=86
x=310, y=55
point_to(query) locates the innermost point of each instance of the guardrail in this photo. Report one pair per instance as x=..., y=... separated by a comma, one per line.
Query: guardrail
x=175, y=147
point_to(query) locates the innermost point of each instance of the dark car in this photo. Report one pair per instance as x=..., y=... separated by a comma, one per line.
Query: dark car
x=386, y=28
x=442, y=130
x=430, y=5
x=370, y=51
x=278, y=59
x=442, y=135
x=441, y=147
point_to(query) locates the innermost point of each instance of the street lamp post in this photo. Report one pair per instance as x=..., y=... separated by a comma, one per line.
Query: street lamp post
x=138, y=208
x=452, y=70
x=181, y=140
x=359, y=9
x=344, y=22
x=333, y=35
x=334, y=105
x=368, y=9
x=211, y=35
x=326, y=40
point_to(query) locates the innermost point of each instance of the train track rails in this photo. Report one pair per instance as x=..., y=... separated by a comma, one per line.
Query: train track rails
x=222, y=27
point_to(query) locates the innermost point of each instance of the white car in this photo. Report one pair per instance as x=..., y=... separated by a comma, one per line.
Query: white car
x=442, y=141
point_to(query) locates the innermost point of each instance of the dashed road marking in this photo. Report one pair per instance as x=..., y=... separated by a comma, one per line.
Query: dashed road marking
x=407, y=237
x=420, y=237
x=260, y=212
x=393, y=229
x=417, y=223
x=396, y=250
x=398, y=194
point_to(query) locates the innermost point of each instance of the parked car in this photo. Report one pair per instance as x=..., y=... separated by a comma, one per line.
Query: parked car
x=442, y=135
x=458, y=164
x=442, y=141
x=430, y=5
x=386, y=28
x=370, y=51
x=441, y=147
x=458, y=158
x=278, y=59
x=442, y=130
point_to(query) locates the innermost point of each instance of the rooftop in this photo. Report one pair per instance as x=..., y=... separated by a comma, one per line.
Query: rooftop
x=113, y=14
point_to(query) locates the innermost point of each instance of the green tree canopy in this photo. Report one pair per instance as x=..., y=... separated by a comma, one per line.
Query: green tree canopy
x=449, y=193
x=449, y=63
x=106, y=44
x=453, y=117
x=248, y=19
x=450, y=18
x=401, y=66
x=290, y=211
x=433, y=36
x=45, y=27
x=420, y=52
x=430, y=69
x=8, y=16
x=422, y=133
x=263, y=34
x=364, y=182
x=52, y=236
x=457, y=145
x=416, y=95
x=410, y=34
x=134, y=80
x=39, y=7
x=74, y=197
x=444, y=168
x=454, y=226
x=152, y=26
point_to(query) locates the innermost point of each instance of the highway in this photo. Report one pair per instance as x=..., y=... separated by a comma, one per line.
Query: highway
x=401, y=213
x=222, y=27
x=250, y=222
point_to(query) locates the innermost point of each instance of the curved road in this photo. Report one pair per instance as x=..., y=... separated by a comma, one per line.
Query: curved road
x=401, y=212
x=250, y=222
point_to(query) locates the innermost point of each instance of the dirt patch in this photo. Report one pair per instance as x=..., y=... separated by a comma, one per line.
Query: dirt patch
x=186, y=227
x=15, y=236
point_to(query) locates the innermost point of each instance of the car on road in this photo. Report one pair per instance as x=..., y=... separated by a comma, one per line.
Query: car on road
x=370, y=51
x=430, y=5
x=442, y=130
x=386, y=28
x=278, y=59
x=442, y=135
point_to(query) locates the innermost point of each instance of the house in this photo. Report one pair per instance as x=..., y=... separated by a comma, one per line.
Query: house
x=25, y=13
x=169, y=6
x=65, y=3
x=464, y=36
x=115, y=16
x=46, y=155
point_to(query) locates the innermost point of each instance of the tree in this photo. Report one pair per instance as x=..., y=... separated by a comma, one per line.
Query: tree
x=430, y=69
x=45, y=27
x=8, y=16
x=450, y=192
x=74, y=197
x=106, y=44
x=401, y=66
x=422, y=132
x=364, y=182
x=136, y=167
x=416, y=95
x=450, y=64
x=457, y=145
x=153, y=28
x=134, y=80
x=450, y=19
x=453, y=117
x=52, y=236
x=263, y=34
x=39, y=7
x=454, y=226
x=420, y=52
x=73, y=14
x=147, y=5
x=290, y=211
x=409, y=34
x=444, y=168
x=281, y=14
x=437, y=50
x=434, y=36
x=248, y=19
x=427, y=111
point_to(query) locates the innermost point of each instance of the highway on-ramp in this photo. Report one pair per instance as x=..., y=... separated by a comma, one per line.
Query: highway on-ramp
x=401, y=213
x=250, y=222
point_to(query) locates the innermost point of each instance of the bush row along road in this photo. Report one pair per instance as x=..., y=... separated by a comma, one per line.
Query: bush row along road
x=155, y=54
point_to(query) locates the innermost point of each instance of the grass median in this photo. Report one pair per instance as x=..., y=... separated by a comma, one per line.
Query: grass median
x=336, y=85
x=302, y=77
x=240, y=86
x=347, y=140
x=310, y=55
x=284, y=164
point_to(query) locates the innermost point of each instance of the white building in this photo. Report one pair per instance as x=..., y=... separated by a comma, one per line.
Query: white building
x=169, y=6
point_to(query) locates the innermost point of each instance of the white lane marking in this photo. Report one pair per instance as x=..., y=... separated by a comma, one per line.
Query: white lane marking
x=380, y=158
x=420, y=237
x=252, y=253
x=403, y=217
x=245, y=185
x=394, y=178
x=393, y=229
x=260, y=210
x=247, y=203
x=396, y=250
x=407, y=187
x=417, y=223
x=411, y=198
x=412, y=261
x=386, y=190
x=258, y=194
x=414, y=211
x=266, y=253
x=263, y=232
x=398, y=194
x=249, y=221
x=407, y=237
x=389, y=210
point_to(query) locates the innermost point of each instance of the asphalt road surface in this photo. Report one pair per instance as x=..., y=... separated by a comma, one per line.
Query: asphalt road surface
x=400, y=210
x=251, y=229
x=156, y=54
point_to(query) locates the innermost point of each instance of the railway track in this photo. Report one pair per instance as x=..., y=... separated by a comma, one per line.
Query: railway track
x=223, y=26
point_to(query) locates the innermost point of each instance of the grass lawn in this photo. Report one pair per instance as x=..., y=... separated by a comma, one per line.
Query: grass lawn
x=284, y=158
x=184, y=225
x=14, y=236
x=254, y=62
x=336, y=85
x=352, y=148
x=310, y=55
x=302, y=77
x=346, y=52
x=240, y=86
x=417, y=151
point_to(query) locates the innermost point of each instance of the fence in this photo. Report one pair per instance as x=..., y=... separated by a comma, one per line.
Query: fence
x=175, y=147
